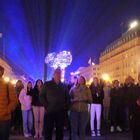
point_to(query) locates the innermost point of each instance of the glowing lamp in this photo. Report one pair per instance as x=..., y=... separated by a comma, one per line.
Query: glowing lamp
x=91, y=80
x=6, y=79
x=105, y=77
x=13, y=82
x=133, y=25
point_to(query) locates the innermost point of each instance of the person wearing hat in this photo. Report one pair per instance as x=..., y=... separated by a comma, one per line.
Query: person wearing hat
x=8, y=101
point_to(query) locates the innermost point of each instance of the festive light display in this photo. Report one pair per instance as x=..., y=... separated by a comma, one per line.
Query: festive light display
x=62, y=60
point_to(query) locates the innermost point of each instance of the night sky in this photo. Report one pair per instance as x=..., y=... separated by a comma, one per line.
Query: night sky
x=84, y=27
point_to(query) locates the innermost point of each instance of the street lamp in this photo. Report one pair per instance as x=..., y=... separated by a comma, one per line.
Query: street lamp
x=6, y=79
x=105, y=77
x=133, y=24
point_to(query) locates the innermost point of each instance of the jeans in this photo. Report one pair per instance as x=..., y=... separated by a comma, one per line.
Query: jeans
x=4, y=130
x=78, y=125
x=38, y=119
x=95, y=109
x=27, y=121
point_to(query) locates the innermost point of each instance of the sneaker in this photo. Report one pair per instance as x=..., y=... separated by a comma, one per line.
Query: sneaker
x=112, y=129
x=40, y=136
x=35, y=136
x=29, y=134
x=26, y=135
x=93, y=133
x=98, y=133
x=119, y=129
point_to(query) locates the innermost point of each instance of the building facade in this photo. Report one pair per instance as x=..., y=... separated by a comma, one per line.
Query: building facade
x=90, y=72
x=122, y=57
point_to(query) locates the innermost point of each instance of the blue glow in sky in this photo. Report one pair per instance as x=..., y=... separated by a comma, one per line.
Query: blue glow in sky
x=84, y=27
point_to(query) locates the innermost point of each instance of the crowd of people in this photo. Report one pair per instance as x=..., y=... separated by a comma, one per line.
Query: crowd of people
x=39, y=110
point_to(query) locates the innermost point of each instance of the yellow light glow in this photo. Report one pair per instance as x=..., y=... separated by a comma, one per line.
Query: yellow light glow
x=13, y=82
x=133, y=24
x=91, y=80
x=6, y=79
x=105, y=77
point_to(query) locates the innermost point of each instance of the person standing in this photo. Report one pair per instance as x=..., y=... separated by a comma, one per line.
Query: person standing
x=8, y=102
x=135, y=99
x=38, y=109
x=80, y=97
x=16, y=122
x=96, y=106
x=55, y=98
x=27, y=115
x=127, y=93
x=116, y=106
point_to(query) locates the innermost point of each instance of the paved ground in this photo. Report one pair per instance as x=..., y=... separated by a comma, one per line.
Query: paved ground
x=107, y=136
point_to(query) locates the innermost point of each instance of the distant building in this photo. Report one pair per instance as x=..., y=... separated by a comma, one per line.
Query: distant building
x=90, y=71
x=122, y=57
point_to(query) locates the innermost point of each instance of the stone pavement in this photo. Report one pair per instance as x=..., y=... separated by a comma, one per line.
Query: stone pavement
x=107, y=136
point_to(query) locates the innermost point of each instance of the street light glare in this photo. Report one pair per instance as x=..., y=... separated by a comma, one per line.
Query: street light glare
x=133, y=24
x=105, y=77
x=6, y=79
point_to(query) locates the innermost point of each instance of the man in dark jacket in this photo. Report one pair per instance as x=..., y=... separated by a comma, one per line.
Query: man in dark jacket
x=128, y=90
x=55, y=98
x=136, y=111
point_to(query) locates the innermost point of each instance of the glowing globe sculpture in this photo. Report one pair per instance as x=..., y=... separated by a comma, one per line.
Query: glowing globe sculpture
x=62, y=60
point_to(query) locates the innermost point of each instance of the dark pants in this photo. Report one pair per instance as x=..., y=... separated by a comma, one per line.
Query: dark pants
x=116, y=114
x=126, y=118
x=4, y=130
x=78, y=125
x=16, y=121
x=68, y=124
x=56, y=119
x=136, y=132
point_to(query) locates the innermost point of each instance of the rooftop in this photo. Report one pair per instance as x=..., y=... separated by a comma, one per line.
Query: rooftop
x=127, y=36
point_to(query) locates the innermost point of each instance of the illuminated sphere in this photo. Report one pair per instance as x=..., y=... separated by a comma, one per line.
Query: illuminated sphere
x=50, y=58
x=62, y=59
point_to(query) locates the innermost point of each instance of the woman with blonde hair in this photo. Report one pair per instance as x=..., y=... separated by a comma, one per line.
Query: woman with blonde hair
x=27, y=116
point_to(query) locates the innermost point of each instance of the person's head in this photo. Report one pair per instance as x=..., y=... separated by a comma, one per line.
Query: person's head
x=74, y=80
x=29, y=85
x=129, y=80
x=81, y=80
x=57, y=75
x=1, y=71
x=19, y=84
x=39, y=83
x=116, y=83
x=95, y=81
